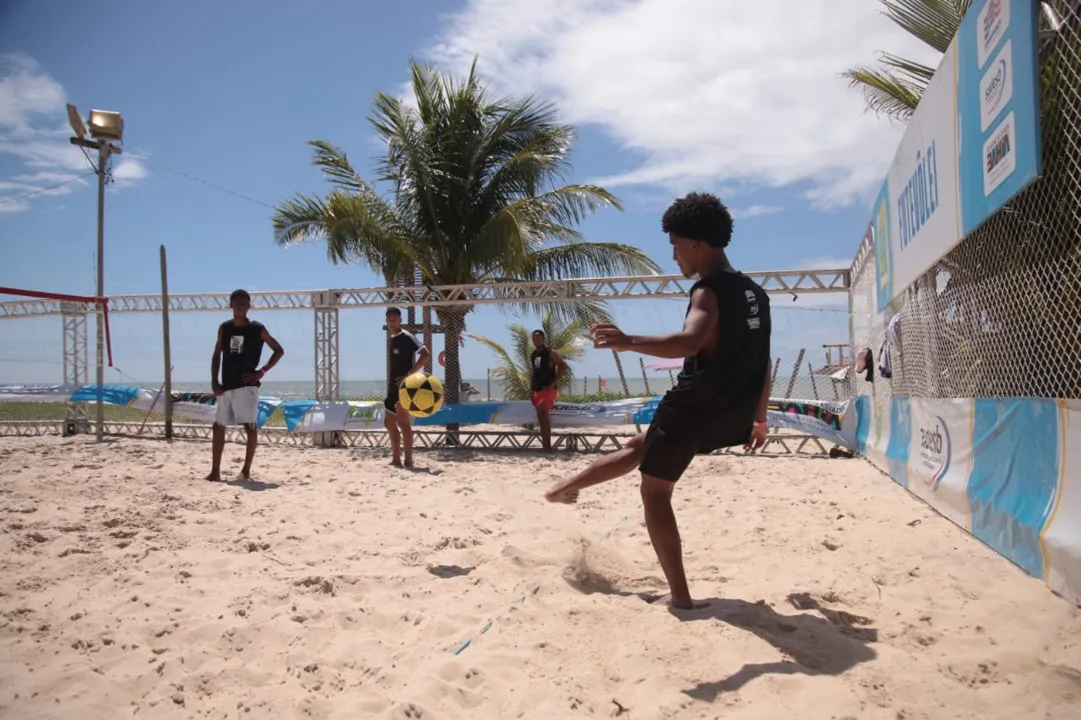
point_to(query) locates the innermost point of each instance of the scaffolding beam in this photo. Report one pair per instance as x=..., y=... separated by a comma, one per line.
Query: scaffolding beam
x=780, y=282
x=75, y=365
x=327, y=376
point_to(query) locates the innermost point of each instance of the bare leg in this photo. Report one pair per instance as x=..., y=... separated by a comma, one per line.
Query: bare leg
x=603, y=469
x=664, y=535
x=545, y=423
x=390, y=420
x=217, y=446
x=249, y=451
x=405, y=423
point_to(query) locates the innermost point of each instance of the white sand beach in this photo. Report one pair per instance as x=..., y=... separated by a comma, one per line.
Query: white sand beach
x=335, y=587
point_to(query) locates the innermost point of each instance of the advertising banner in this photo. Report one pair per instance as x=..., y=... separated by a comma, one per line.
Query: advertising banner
x=1006, y=470
x=972, y=144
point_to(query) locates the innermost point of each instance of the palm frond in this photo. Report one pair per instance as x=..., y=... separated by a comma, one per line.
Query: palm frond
x=336, y=168
x=935, y=22
x=885, y=93
x=299, y=219
x=587, y=259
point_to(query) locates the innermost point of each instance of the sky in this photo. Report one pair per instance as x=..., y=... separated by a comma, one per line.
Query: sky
x=740, y=99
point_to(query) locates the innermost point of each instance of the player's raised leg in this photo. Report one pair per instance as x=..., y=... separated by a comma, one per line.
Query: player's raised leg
x=605, y=468
x=405, y=424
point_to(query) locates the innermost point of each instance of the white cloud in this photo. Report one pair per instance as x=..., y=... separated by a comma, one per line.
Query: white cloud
x=700, y=92
x=33, y=129
x=754, y=211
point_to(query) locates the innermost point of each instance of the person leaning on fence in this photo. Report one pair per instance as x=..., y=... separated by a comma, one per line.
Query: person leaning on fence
x=403, y=348
x=236, y=353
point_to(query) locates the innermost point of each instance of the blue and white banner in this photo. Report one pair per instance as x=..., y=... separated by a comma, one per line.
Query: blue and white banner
x=822, y=419
x=972, y=144
x=1006, y=470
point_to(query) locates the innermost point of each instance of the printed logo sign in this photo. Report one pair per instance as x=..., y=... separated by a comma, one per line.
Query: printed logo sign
x=991, y=25
x=996, y=86
x=936, y=449
x=999, y=156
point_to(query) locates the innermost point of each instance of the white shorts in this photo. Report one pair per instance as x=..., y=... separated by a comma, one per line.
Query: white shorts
x=238, y=407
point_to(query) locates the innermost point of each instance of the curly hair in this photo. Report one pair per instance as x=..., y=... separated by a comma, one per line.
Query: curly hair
x=699, y=216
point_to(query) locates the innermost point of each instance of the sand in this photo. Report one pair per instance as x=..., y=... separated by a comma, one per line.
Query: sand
x=335, y=587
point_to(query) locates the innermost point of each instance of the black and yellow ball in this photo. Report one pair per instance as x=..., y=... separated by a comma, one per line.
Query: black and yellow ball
x=421, y=395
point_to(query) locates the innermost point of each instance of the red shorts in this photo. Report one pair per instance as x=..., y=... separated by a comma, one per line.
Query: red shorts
x=545, y=397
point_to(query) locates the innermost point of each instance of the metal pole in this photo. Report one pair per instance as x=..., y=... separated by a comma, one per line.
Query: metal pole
x=165, y=345
x=103, y=158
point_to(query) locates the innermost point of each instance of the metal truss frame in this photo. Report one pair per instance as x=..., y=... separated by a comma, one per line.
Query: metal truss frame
x=326, y=305
x=468, y=440
x=75, y=360
x=783, y=282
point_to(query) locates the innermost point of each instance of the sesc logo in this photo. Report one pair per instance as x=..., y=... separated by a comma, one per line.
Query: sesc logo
x=991, y=25
x=996, y=86
x=999, y=158
x=936, y=450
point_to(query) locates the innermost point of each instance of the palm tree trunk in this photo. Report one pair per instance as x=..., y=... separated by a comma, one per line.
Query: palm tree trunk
x=453, y=321
x=622, y=377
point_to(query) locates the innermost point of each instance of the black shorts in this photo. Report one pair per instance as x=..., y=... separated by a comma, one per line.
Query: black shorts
x=668, y=454
x=391, y=400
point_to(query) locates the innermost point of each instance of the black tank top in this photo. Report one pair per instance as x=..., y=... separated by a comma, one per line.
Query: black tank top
x=544, y=372
x=717, y=393
x=241, y=348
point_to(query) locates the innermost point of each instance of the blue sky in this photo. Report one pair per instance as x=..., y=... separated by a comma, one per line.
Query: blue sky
x=667, y=96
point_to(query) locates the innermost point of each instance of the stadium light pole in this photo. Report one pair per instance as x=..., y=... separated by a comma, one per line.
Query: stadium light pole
x=105, y=128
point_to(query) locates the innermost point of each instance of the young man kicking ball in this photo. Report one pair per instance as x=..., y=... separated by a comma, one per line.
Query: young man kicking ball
x=722, y=392
x=236, y=354
x=403, y=348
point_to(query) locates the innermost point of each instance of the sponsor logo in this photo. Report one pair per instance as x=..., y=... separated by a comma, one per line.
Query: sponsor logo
x=996, y=86
x=999, y=158
x=991, y=26
x=936, y=451
x=919, y=198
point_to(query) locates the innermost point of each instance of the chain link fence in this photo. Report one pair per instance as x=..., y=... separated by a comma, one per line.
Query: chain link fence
x=1000, y=315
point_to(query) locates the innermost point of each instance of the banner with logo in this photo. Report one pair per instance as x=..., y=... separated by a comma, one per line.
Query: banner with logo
x=822, y=419
x=1006, y=470
x=972, y=144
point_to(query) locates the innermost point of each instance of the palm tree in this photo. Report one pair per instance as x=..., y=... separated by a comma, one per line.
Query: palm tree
x=474, y=196
x=515, y=366
x=896, y=86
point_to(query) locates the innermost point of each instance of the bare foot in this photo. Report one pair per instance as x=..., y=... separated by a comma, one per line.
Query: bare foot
x=560, y=494
x=674, y=604
x=245, y=475
x=396, y=462
x=408, y=462
x=214, y=476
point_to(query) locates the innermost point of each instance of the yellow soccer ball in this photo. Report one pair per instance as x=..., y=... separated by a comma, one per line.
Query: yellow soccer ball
x=421, y=395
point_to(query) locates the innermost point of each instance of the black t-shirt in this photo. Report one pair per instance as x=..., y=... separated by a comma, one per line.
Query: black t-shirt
x=241, y=347
x=544, y=370
x=716, y=397
x=403, y=351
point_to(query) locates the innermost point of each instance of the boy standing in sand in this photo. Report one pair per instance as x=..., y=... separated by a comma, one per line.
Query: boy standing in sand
x=240, y=341
x=403, y=348
x=721, y=396
x=547, y=369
